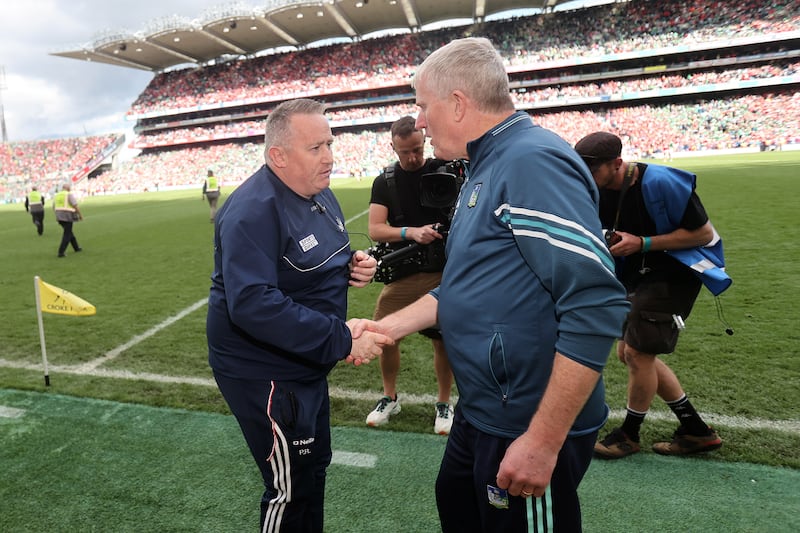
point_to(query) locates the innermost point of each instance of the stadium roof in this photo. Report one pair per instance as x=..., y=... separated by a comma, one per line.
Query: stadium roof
x=240, y=30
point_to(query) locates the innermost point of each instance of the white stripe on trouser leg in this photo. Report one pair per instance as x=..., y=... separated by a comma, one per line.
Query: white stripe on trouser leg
x=544, y=509
x=281, y=481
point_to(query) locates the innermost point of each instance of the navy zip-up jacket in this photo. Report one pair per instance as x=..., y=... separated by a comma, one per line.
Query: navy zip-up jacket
x=278, y=300
x=527, y=274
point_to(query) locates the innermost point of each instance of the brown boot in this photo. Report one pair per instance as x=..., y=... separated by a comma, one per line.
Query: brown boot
x=616, y=445
x=684, y=444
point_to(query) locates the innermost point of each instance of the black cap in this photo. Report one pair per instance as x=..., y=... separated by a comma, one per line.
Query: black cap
x=599, y=147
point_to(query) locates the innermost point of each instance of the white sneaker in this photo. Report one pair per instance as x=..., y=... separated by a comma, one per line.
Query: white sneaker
x=383, y=410
x=444, y=418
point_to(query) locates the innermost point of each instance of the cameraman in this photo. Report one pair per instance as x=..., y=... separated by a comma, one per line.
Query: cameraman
x=397, y=217
x=659, y=226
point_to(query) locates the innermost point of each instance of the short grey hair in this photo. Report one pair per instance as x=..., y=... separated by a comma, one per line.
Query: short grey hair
x=277, y=130
x=473, y=66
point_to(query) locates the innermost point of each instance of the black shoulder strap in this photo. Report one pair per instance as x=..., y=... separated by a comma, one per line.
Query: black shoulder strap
x=394, y=197
x=626, y=184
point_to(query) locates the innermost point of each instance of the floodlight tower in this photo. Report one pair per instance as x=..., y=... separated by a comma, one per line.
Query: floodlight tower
x=2, y=111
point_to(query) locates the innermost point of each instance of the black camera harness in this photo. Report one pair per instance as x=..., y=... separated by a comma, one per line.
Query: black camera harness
x=398, y=262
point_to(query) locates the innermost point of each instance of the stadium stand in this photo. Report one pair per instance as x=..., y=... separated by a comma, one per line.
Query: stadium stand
x=711, y=74
x=49, y=163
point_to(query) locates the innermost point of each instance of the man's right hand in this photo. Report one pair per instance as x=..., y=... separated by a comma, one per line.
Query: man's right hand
x=368, y=343
x=423, y=234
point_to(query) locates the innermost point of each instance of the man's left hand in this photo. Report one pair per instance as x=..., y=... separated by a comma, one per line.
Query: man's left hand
x=526, y=468
x=362, y=269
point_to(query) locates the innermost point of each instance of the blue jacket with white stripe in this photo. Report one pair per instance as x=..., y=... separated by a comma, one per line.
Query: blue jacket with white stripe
x=527, y=274
x=278, y=298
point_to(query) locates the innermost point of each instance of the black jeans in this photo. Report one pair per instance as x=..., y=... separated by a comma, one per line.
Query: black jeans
x=38, y=220
x=67, y=238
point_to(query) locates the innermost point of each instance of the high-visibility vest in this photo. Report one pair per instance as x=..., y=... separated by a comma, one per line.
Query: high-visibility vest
x=61, y=202
x=212, y=185
x=35, y=197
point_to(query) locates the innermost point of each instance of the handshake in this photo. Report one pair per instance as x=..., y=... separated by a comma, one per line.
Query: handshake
x=368, y=341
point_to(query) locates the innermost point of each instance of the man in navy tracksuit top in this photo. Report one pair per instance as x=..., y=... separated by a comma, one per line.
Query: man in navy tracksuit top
x=276, y=312
x=528, y=306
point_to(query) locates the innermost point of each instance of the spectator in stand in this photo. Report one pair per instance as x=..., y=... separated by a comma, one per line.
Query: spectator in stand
x=388, y=61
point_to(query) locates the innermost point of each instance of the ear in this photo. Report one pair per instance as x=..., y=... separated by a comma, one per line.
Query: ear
x=459, y=102
x=277, y=155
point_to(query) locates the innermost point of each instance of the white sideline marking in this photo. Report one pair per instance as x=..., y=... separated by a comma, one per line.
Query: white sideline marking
x=92, y=365
x=717, y=420
x=356, y=217
x=739, y=422
x=348, y=458
x=11, y=412
x=362, y=460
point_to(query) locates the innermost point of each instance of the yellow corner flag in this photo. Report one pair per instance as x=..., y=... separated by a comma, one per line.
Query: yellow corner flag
x=62, y=302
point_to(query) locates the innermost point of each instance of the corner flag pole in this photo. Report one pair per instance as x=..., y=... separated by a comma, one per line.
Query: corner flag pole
x=41, y=330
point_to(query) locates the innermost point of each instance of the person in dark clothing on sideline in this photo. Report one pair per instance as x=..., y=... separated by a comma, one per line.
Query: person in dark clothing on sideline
x=666, y=248
x=397, y=217
x=529, y=306
x=277, y=308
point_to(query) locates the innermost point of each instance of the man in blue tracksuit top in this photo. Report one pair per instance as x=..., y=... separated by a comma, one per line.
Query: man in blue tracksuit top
x=276, y=312
x=528, y=304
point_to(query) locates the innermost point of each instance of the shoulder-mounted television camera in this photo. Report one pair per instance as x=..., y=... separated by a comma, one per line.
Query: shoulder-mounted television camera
x=438, y=190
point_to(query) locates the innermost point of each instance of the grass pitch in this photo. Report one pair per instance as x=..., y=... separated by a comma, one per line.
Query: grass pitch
x=147, y=259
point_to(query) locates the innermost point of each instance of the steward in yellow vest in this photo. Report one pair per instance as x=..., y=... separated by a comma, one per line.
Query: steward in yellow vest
x=34, y=204
x=211, y=190
x=67, y=212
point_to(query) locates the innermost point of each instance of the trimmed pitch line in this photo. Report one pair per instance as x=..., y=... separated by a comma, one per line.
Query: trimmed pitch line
x=361, y=460
x=738, y=422
x=10, y=412
x=92, y=365
x=91, y=368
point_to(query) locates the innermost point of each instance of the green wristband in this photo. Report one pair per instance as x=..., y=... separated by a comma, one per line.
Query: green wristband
x=403, y=232
x=646, y=242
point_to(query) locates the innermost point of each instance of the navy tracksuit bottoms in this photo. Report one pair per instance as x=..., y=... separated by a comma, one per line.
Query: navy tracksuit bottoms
x=468, y=503
x=287, y=427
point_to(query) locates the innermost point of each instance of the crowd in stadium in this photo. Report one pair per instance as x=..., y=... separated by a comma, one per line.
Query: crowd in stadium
x=766, y=119
x=46, y=163
x=548, y=96
x=601, y=31
x=663, y=129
